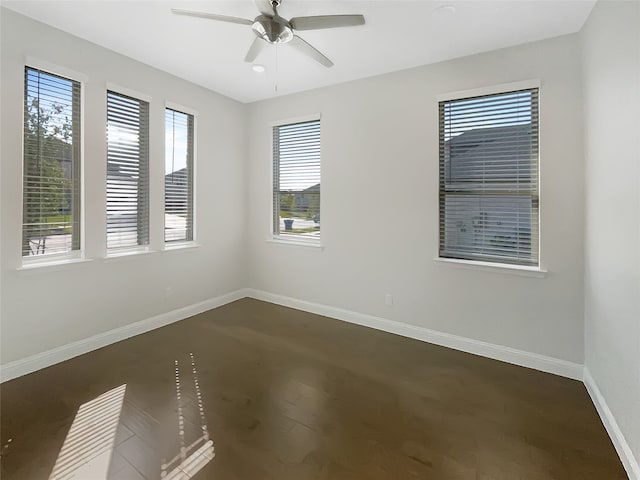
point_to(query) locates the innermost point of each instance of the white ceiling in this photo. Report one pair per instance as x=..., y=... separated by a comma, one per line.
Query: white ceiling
x=397, y=35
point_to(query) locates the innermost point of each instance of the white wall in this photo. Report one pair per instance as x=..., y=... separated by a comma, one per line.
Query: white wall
x=46, y=308
x=380, y=204
x=611, y=63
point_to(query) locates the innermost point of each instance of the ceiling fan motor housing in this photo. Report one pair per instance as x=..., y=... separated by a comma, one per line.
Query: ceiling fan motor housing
x=273, y=29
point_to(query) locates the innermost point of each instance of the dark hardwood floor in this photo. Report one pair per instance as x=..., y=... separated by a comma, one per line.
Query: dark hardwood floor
x=256, y=391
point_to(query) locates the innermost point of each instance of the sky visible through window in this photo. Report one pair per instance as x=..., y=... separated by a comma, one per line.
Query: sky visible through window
x=475, y=113
x=299, y=148
x=53, y=96
x=175, y=141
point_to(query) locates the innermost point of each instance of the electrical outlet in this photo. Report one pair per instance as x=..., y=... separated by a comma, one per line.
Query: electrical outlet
x=388, y=300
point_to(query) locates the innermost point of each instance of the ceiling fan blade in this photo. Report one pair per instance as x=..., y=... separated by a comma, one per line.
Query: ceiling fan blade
x=213, y=16
x=326, y=21
x=254, y=50
x=304, y=47
x=265, y=7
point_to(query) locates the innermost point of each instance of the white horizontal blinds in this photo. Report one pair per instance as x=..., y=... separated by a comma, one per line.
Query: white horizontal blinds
x=178, y=176
x=489, y=178
x=127, y=171
x=296, y=180
x=51, y=180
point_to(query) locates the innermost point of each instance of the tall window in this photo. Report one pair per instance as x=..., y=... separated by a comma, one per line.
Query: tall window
x=178, y=176
x=51, y=181
x=489, y=178
x=296, y=181
x=127, y=171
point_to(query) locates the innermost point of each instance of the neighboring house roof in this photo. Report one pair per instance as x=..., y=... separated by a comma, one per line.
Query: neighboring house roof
x=485, y=146
x=177, y=176
x=174, y=194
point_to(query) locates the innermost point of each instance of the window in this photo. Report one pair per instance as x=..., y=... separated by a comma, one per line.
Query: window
x=51, y=180
x=127, y=171
x=489, y=178
x=296, y=181
x=178, y=176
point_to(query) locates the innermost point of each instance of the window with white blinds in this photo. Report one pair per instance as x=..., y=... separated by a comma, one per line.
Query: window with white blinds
x=51, y=178
x=489, y=178
x=127, y=171
x=296, y=181
x=178, y=176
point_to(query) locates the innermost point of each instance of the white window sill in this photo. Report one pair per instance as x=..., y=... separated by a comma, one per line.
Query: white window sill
x=180, y=247
x=50, y=265
x=122, y=255
x=493, y=267
x=296, y=242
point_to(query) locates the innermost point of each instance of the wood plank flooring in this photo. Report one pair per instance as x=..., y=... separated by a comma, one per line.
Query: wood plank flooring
x=254, y=391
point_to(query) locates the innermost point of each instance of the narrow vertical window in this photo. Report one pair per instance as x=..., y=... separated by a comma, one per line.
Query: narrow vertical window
x=178, y=176
x=51, y=180
x=127, y=171
x=489, y=178
x=296, y=181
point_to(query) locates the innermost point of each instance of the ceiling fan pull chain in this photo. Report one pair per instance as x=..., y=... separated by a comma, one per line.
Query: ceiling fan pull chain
x=277, y=76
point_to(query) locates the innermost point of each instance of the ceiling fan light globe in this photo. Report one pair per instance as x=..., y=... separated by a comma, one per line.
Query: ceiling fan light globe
x=285, y=36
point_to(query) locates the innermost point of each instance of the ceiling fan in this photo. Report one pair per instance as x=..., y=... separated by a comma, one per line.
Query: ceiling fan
x=271, y=28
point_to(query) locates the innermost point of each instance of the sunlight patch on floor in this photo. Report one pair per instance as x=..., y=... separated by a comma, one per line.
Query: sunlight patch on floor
x=86, y=452
x=191, y=464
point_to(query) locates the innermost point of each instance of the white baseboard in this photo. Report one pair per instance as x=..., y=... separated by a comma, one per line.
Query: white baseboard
x=629, y=462
x=543, y=363
x=60, y=354
x=498, y=352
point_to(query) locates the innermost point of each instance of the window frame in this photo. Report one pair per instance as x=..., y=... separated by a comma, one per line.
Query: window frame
x=273, y=236
x=192, y=242
x=488, y=264
x=142, y=97
x=73, y=255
